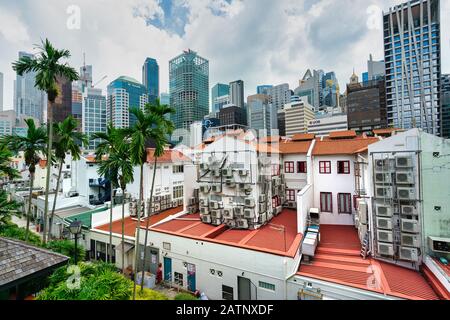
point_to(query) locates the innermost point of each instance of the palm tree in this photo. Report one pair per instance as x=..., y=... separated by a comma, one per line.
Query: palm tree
x=106, y=147
x=119, y=164
x=33, y=145
x=8, y=208
x=5, y=164
x=67, y=139
x=159, y=135
x=48, y=68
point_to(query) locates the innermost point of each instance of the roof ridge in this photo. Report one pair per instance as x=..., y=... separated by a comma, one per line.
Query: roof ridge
x=27, y=245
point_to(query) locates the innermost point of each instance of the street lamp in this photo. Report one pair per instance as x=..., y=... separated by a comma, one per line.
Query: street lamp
x=75, y=229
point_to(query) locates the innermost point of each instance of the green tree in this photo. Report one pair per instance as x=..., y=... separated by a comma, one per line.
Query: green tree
x=48, y=70
x=5, y=163
x=67, y=248
x=67, y=139
x=33, y=145
x=8, y=208
x=119, y=162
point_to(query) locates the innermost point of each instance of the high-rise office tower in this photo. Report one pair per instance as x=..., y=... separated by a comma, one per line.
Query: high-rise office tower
x=77, y=103
x=413, y=65
x=237, y=93
x=219, y=90
x=232, y=115
x=189, y=89
x=150, y=78
x=330, y=90
x=445, y=102
x=28, y=100
x=310, y=88
x=375, y=69
x=124, y=93
x=261, y=114
x=263, y=89
x=279, y=95
x=93, y=114
x=1, y=91
x=164, y=99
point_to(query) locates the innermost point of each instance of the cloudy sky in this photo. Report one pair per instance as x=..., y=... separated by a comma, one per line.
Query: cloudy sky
x=258, y=41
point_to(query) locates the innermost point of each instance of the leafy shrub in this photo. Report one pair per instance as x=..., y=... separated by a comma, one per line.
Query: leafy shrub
x=185, y=296
x=14, y=232
x=148, y=294
x=67, y=248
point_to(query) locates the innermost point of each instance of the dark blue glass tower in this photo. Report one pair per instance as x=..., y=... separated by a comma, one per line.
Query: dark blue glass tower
x=150, y=78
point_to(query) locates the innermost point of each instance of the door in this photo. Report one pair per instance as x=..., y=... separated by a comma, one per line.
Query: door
x=154, y=261
x=167, y=269
x=191, y=277
x=244, y=289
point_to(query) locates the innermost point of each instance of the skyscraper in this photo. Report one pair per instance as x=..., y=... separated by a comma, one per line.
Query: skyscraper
x=28, y=100
x=62, y=108
x=261, y=114
x=164, y=98
x=219, y=90
x=413, y=65
x=124, y=93
x=93, y=114
x=445, y=101
x=237, y=93
x=310, y=88
x=189, y=89
x=279, y=95
x=330, y=90
x=77, y=102
x=375, y=69
x=150, y=78
x=263, y=89
x=1, y=91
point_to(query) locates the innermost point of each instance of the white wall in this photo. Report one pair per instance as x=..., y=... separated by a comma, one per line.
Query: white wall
x=305, y=200
x=294, y=181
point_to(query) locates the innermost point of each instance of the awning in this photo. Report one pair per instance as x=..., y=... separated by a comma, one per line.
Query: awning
x=127, y=247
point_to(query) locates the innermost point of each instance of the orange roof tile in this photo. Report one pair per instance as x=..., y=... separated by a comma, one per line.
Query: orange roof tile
x=303, y=137
x=338, y=260
x=342, y=134
x=294, y=147
x=270, y=139
x=342, y=146
x=385, y=131
x=169, y=155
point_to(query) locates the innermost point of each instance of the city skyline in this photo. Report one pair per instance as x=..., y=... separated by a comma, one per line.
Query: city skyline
x=116, y=52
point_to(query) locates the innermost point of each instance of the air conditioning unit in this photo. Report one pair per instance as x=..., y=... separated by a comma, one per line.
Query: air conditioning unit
x=214, y=204
x=385, y=249
x=411, y=240
x=217, y=188
x=216, y=173
x=227, y=172
x=238, y=211
x=383, y=192
x=216, y=214
x=278, y=210
x=205, y=189
x=228, y=213
x=385, y=236
x=174, y=204
x=291, y=205
x=204, y=210
x=383, y=177
x=230, y=223
x=249, y=213
x=262, y=207
x=406, y=194
x=157, y=198
x=180, y=202
x=404, y=178
x=220, y=204
x=243, y=172
x=362, y=211
x=382, y=165
x=248, y=188
x=403, y=162
x=383, y=210
x=384, y=223
x=206, y=219
x=242, y=224
x=410, y=226
x=204, y=202
x=230, y=183
x=408, y=210
x=216, y=222
x=204, y=166
x=262, y=198
x=356, y=221
x=249, y=202
x=262, y=218
x=409, y=254
x=440, y=245
x=192, y=201
x=241, y=186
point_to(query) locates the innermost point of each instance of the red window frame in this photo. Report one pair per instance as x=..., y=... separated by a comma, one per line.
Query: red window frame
x=276, y=202
x=344, y=206
x=275, y=170
x=327, y=207
x=289, y=167
x=290, y=195
x=343, y=167
x=325, y=167
x=301, y=167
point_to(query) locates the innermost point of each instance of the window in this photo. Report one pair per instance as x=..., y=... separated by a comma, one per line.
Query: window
x=276, y=202
x=178, y=192
x=178, y=278
x=290, y=195
x=301, y=166
x=344, y=203
x=275, y=170
x=325, y=167
x=289, y=167
x=227, y=293
x=178, y=169
x=343, y=167
x=266, y=285
x=326, y=202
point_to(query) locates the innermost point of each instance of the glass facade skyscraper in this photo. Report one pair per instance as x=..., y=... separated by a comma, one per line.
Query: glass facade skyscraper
x=413, y=65
x=94, y=114
x=445, y=101
x=189, y=89
x=237, y=93
x=263, y=89
x=150, y=78
x=219, y=90
x=124, y=93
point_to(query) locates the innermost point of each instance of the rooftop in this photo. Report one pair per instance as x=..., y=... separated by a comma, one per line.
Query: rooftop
x=338, y=260
x=279, y=237
x=169, y=155
x=130, y=223
x=328, y=146
x=19, y=261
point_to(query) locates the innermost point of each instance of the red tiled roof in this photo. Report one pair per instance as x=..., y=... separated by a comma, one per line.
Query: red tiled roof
x=438, y=287
x=385, y=131
x=130, y=223
x=270, y=139
x=343, y=146
x=294, y=147
x=338, y=260
x=342, y=134
x=279, y=237
x=169, y=155
x=303, y=137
